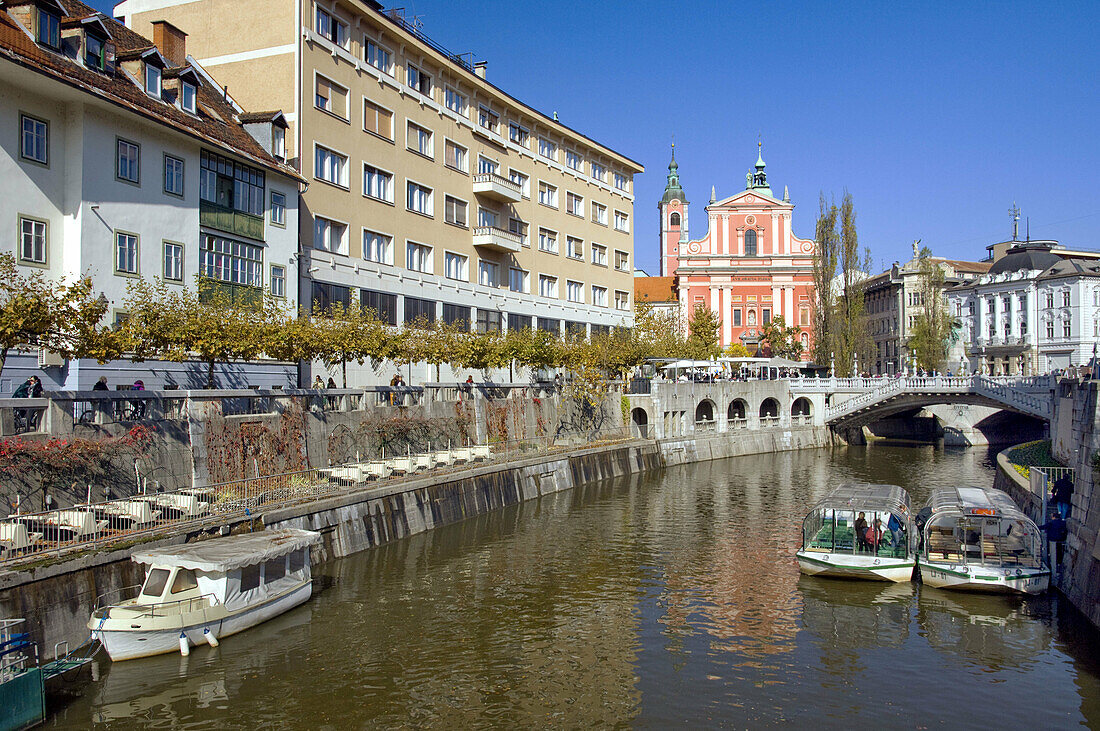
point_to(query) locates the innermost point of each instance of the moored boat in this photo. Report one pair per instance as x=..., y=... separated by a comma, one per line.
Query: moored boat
x=860, y=531
x=976, y=539
x=200, y=592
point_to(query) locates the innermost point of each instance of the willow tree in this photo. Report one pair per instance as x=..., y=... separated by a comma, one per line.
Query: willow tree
x=64, y=317
x=933, y=328
x=826, y=254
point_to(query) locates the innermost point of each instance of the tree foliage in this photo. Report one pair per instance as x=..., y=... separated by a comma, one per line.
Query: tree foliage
x=702, y=340
x=64, y=317
x=826, y=255
x=933, y=327
x=785, y=341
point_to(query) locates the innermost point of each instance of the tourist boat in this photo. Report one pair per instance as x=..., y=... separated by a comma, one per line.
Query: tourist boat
x=201, y=592
x=830, y=546
x=976, y=539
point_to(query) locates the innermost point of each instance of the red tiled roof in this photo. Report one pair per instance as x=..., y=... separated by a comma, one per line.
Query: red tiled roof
x=655, y=289
x=17, y=47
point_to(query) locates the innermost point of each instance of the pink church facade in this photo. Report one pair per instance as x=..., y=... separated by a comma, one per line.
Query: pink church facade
x=749, y=268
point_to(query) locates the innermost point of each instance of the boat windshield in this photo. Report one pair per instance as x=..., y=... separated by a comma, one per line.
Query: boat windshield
x=856, y=532
x=982, y=540
x=155, y=582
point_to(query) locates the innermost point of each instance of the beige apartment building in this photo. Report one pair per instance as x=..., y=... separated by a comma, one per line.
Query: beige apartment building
x=432, y=193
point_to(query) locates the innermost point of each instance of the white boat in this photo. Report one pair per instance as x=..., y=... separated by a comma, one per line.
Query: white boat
x=202, y=592
x=976, y=539
x=882, y=549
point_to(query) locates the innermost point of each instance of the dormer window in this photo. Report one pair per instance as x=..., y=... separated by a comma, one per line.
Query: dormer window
x=95, y=52
x=187, y=97
x=152, y=80
x=49, y=28
x=278, y=142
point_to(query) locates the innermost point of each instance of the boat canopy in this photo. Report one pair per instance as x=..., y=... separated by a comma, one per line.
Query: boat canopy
x=231, y=552
x=974, y=501
x=888, y=498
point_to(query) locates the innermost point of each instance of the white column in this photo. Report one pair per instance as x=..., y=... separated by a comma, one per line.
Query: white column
x=788, y=306
x=775, y=233
x=740, y=243
x=787, y=234
x=714, y=305
x=727, y=326
x=777, y=302
x=725, y=234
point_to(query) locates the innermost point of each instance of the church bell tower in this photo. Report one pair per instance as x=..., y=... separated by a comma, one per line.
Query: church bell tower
x=673, y=208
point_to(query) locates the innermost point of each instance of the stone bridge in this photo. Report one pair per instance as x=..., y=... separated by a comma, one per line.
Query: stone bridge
x=857, y=402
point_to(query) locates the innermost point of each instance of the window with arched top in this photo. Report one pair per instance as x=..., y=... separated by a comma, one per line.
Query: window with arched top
x=750, y=242
x=674, y=219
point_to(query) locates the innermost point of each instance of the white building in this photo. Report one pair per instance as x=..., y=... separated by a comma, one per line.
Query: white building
x=1033, y=312
x=122, y=160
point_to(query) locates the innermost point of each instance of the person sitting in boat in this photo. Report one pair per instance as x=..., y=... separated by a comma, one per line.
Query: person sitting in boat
x=860, y=527
x=874, y=536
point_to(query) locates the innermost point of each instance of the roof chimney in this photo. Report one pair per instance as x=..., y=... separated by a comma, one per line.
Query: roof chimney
x=479, y=68
x=171, y=41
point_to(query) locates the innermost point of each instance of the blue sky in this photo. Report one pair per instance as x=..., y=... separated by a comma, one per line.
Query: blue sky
x=935, y=116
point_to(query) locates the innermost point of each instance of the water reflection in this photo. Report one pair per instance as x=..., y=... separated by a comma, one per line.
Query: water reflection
x=667, y=600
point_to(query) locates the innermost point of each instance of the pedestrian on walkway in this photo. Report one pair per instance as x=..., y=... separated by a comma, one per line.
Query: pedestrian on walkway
x=1062, y=494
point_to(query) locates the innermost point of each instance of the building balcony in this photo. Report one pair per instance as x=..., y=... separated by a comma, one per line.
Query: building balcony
x=231, y=221
x=229, y=294
x=497, y=188
x=497, y=239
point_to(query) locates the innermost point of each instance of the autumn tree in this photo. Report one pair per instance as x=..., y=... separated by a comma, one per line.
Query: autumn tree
x=659, y=330
x=63, y=317
x=852, y=341
x=826, y=254
x=702, y=340
x=178, y=323
x=785, y=341
x=934, y=328
x=736, y=350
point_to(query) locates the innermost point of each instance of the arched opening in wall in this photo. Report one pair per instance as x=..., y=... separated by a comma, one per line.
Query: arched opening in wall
x=769, y=411
x=704, y=414
x=738, y=413
x=639, y=423
x=674, y=219
x=802, y=410
x=750, y=242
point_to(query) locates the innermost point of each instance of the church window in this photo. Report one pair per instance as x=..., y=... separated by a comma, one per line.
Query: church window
x=737, y=318
x=674, y=219
x=750, y=242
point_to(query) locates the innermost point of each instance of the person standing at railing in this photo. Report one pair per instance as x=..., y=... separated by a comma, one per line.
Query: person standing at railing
x=101, y=384
x=31, y=388
x=138, y=406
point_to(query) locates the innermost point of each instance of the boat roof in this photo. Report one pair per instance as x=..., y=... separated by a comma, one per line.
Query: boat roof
x=866, y=497
x=231, y=552
x=974, y=501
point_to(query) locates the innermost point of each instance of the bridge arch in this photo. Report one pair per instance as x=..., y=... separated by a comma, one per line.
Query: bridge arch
x=769, y=408
x=704, y=411
x=802, y=406
x=639, y=422
x=738, y=409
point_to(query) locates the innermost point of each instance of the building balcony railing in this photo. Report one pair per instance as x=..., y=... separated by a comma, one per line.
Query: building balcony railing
x=498, y=188
x=497, y=239
x=231, y=221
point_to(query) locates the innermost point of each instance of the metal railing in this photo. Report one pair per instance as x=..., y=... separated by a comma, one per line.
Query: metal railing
x=93, y=525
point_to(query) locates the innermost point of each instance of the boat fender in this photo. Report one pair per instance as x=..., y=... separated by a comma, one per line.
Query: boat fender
x=185, y=646
x=210, y=638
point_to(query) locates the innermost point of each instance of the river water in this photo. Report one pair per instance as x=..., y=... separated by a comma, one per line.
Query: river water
x=663, y=600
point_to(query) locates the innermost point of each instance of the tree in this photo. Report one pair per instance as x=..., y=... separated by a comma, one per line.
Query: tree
x=36, y=312
x=702, y=341
x=934, y=327
x=826, y=247
x=659, y=331
x=737, y=350
x=784, y=341
x=351, y=333
x=850, y=338
x=178, y=323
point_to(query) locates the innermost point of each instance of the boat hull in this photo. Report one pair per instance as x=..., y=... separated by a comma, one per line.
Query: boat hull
x=985, y=580
x=124, y=643
x=856, y=567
